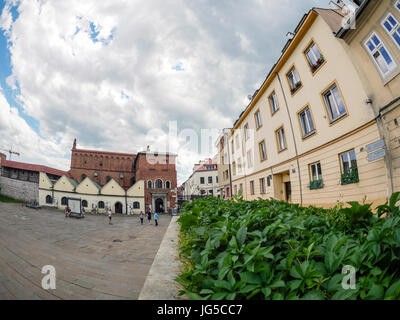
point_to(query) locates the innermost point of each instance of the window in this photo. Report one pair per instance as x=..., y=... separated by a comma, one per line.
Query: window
x=398, y=5
x=348, y=166
x=210, y=180
x=64, y=201
x=380, y=55
x=149, y=184
x=257, y=117
x=252, y=187
x=234, y=168
x=294, y=81
x=108, y=179
x=281, y=140
x=222, y=160
x=216, y=179
x=314, y=57
x=101, y=205
x=83, y=177
x=239, y=165
x=306, y=122
x=235, y=189
x=273, y=102
x=237, y=142
x=269, y=178
x=249, y=159
x=334, y=103
x=136, y=205
x=228, y=192
x=84, y=203
x=159, y=184
x=392, y=26
x=263, y=151
x=246, y=132
x=167, y=185
x=202, y=180
x=49, y=199
x=211, y=192
x=262, y=185
x=316, y=181
x=232, y=147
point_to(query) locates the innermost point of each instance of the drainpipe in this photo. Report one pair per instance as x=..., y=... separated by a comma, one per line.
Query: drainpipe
x=126, y=203
x=294, y=140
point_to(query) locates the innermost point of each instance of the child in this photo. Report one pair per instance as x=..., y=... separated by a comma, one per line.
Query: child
x=156, y=218
x=141, y=217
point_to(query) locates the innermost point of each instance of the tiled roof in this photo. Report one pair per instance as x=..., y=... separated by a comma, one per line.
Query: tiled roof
x=33, y=167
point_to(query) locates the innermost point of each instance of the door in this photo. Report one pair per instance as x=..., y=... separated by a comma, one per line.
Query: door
x=288, y=191
x=159, y=205
x=118, y=207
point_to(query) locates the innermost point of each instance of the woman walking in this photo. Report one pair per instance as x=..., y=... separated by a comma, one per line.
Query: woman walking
x=109, y=216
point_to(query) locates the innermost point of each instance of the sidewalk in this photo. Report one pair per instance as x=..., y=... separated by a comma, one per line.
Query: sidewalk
x=160, y=283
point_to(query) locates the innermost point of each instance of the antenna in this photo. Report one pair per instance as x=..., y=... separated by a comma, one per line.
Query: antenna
x=10, y=152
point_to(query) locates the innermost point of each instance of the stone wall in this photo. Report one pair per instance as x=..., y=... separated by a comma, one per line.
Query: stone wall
x=19, y=190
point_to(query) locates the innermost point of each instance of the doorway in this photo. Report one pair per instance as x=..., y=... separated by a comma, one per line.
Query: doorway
x=288, y=191
x=118, y=207
x=159, y=205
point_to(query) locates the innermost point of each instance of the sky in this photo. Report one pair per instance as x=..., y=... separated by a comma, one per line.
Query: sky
x=121, y=75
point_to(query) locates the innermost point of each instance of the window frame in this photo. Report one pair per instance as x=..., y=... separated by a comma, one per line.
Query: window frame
x=277, y=139
x=311, y=133
x=323, y=93
x=351, y=166
x=202, y=180
x=255, y=119
x=210, y=178
x=319, y=67
x=234, y=168
x=263, y=189
x=397, y=5
x=252, y=189
x=265, y=149
x=293, y=93
x=319, y=177
x=246, y=130
x=250, y=163
x=371, y=55
x=395, y=29
x=273, y=94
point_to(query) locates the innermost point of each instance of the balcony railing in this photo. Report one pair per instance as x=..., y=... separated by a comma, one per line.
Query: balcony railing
x=350, y=176
x=316, y=184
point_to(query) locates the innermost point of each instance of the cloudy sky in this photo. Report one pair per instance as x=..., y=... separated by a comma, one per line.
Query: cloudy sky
x=119, y=75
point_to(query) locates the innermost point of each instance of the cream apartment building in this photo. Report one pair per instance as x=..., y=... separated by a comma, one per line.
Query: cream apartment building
x=304, y=137
x=224, y=169
x=374, y=47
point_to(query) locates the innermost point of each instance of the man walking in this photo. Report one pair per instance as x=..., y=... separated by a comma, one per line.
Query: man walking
x=149, y=216
x=109, y=216
x=141, y=217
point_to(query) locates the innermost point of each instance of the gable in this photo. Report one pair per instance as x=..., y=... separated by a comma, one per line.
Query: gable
x=64, y=184
x=44, y=181
x=87, y=186
x=113, y=188
x=137, y=190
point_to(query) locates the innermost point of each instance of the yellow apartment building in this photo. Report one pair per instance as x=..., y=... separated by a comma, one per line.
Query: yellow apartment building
x=224, y=170
x=306, y=135
x=374, y=47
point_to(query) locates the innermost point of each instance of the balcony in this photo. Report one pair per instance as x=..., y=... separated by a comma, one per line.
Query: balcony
x=316, y=184
x=350, y=176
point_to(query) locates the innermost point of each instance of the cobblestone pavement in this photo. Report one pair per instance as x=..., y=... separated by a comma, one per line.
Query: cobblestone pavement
x=93, y=260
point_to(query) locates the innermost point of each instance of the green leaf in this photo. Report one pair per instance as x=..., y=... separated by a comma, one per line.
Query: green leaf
x=206, y=291
x=241, y=235
x=194, y=296
x=200, y=231
x=266, y=292
x=376, y=292
x=219, y=296
x=313, y=295
x=249, y=277
x=248, y=288
x=294, y=284
x=394, y=290
x=223, y=284
x=278, y=284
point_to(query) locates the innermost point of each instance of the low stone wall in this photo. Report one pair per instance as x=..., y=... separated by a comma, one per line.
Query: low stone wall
x=19, y=190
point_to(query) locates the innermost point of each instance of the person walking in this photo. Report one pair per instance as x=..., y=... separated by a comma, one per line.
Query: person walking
x=149, y=216
x=156, y=218
x=109, y=216
x=141, y=217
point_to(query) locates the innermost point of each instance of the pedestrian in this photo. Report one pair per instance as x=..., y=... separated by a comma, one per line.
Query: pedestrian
x=156, y=218
x=149, y=216
x=141, y=217
x=109, y=216
x=67, y=211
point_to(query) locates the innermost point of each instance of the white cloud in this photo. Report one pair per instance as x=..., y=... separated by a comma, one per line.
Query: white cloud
x=73, y=84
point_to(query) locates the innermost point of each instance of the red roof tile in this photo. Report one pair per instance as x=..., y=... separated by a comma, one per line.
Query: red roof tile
x=33, y=167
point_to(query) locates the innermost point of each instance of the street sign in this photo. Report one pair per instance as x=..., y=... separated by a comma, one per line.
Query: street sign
x=376, y=146
x=376, y=155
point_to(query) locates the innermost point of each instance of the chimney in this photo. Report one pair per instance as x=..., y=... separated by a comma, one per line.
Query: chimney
x=74, y=145
x=290, y=35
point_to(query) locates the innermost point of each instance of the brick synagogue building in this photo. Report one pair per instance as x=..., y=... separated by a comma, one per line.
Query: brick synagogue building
x=157, y=170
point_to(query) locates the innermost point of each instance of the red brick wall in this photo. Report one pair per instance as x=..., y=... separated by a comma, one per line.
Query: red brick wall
x=105, y=164
x=152, y=168
x=2, y=158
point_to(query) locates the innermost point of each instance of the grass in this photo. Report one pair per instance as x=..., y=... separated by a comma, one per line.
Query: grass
x=9, y=200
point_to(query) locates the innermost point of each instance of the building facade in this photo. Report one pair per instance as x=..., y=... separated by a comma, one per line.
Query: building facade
x=203, y=181
x=224, y=169
x=304, y=137
x=157, y=170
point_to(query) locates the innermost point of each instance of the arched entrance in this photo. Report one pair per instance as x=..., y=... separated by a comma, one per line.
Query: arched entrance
x=118, y=207
x=159, y=206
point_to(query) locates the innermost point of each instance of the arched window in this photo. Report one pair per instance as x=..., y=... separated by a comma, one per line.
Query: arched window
x=84, y=204
x=149, y=184
x=64, y=201
x=136, y=205
x=158, y=184
x=167, y=185
x=49, y=199
x=108, y=179
x=83, y=177
x=101, y=205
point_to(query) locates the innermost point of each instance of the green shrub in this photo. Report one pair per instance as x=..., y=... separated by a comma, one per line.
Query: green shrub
x=267, y=249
